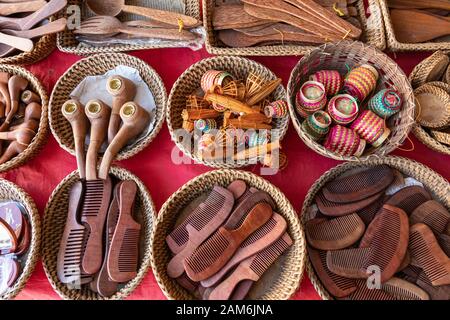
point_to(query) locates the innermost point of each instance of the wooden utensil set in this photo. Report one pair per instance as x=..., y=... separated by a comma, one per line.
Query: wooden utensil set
x=358, y=228
x=416, y=21
x=15, y=238
x=100, y=241
x=18, y=32
x=257, y=22
x=163, y=25
x=227, y=243
x=20, y=113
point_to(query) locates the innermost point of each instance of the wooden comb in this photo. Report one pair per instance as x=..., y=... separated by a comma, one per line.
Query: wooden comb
x=359, y=186
x=425, y=250
x=364, y=293
x=187, y=283
x=258, y=241
x=338, y=286
x=252, y=268
x=334, y=234
x=124, y=250
x=435, y=292
x=214, y=253
x=404, y=290
x=202, y=226
x=179, y=237
x=72, y=245
x=433, y=214
x=334, y=209
x=102, y=283
x=242, y=290
x=384, y=245
x=368, y=213
x=409, y=198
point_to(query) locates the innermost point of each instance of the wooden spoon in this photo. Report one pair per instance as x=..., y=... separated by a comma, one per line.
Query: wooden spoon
x=22, y=44
x=110, y=25
x=115, y=7
x=241, y=19
x=419, y=4
x=31, y=20
x=7, y=9
x=413, y=26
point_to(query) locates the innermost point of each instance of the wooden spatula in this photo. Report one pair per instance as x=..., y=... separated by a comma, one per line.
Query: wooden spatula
x=241, y=19
x=413, y=26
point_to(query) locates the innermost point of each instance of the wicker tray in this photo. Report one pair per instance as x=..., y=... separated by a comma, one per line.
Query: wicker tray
x=41, y=136
x=189, y=82
x=338, y=56
x=281, y=287
x=395, y=45
x=98, y=65
x=418, y=77
x=373, y=34
x=10, y=191
x=55, y=216
x=433, y=182
x=66, y=41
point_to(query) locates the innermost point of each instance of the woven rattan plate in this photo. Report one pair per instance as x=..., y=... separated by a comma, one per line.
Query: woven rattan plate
x=430, y=69
x=280, y=285
x=53, y=227
x=434, y=106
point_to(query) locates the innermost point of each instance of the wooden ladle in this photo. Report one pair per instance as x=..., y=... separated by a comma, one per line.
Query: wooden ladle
x=413, y=26
x=115, y=7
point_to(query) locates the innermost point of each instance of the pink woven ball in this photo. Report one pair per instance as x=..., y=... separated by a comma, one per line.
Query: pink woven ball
x=311, y=97
x=345, y=142
x=331, y=79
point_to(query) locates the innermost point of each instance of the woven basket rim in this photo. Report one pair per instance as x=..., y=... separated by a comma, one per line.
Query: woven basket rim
x=41, y=136
x=35, y=244
x=192, y=9
x=298, y=237
x=185, y=77
x=402, y=164
x=419, y=74
x=377, y=37
x=395, y=45
x=145, y=263
x=160, y=116
x=423, y=136
x=42, y=48
x=385, y=149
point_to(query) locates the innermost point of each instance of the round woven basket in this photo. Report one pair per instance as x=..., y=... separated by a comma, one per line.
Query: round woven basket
x=189, y=82
x=55, y=216
x=41, y=136
x=10, y=191
x=42, y=48
x=430, y=69
x=290, y=277
x=343, y=55
x=418, y=77
x=433, y=182
x=99, y=64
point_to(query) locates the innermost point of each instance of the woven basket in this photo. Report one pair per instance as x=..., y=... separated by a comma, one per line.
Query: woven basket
x=373, y=33
x=418, y=77
x=345, y=54
x=431, y=67
x=395, y=45
x=66, y=41
x=55, y=216
x=42, y=48
x=433, y=182
x=10, y=191
x=41, y=136
x=98, y=65
x=288, y=280
x=189, y=82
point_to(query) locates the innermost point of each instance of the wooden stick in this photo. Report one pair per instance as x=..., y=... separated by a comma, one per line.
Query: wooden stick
x=257, y=151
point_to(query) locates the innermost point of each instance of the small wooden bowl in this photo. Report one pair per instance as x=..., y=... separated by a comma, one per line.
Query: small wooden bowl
x=55, y=216
x=279, y=285
x=10, y=191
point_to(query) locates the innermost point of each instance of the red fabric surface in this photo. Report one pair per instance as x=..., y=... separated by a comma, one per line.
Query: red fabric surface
x=154, y=166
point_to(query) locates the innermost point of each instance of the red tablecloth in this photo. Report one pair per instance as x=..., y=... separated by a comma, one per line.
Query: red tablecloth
x=154, y=166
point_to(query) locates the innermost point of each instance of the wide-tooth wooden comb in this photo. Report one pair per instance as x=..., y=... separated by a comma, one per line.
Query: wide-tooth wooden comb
x=334, y=234
x=433, y=214
x=426, y=251
x=214, y=253
x=124, y=250
x=384, y=245
x=252, y=268
x=368, y=213
x=359, y=186
x=72, y=245
x=259, y=240
x=179, y=237
x=409, y=198
x=338, y=286
x=334, y=209
x=102, y=283
x=201, y=227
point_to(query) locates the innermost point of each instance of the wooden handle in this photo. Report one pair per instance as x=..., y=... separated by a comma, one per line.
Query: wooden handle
x=160, y=33
x=175, y=268
x=22, y=44
x=419, y=4
x=128, y=190
x=29, y=6
x=168, y=17
x=49, y=28
x=256, y=218
x=52, y=7
x=224, y=290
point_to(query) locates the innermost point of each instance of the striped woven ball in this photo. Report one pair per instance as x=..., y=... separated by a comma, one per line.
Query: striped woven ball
x=331, y=79
x=317, y=125
x=345, y=142
x=369, y=126
x=277, y=109
x=343, y=108
x=205, y=125
x=386, y=103
x=312, y=97
x=257, y=138
x=361, y=81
